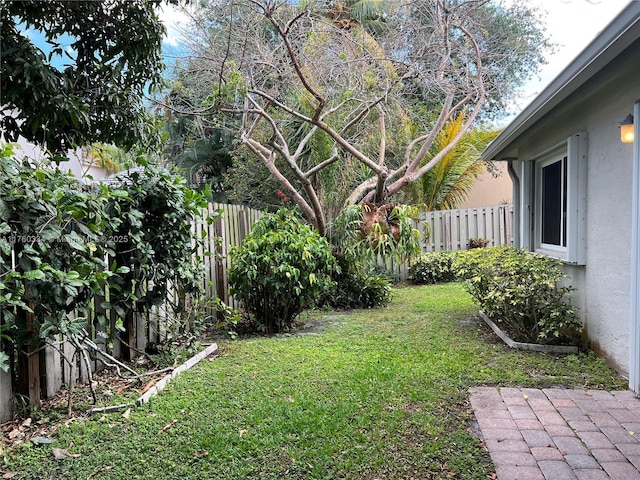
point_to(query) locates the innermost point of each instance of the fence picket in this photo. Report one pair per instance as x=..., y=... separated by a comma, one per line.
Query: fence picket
x=53, y=367
x=6, y=397
x=70, y=364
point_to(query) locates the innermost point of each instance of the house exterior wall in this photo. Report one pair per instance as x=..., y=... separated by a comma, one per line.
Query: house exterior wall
x=78, y=167
x=603, y=283
x=489, y=191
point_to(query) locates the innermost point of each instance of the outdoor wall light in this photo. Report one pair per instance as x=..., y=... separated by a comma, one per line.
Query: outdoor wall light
x=626, y=129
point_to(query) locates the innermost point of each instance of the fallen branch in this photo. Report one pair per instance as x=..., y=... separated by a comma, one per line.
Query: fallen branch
x=87, y=363
x=99, y=470
x=168, y=426
x=157, y=372
x=116, y=363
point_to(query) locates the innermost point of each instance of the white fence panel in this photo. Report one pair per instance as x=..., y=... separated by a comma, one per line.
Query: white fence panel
x=452, y=229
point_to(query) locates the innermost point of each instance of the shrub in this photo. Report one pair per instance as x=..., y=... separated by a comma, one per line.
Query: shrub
x=152, y=211
x=520, y=291
x=56, y=232
x=279, y=269
x=478, y=242
x=356, y=286
x=433, y=267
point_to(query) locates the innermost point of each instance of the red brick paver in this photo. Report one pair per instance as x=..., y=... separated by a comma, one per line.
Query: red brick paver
x=555, y=434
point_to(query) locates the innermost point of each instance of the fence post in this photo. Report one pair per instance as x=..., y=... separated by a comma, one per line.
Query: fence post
x=29, y=363
x=6, y=393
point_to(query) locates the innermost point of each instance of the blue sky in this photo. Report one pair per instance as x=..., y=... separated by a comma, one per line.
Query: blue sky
x=171, y=17
x=65, y=41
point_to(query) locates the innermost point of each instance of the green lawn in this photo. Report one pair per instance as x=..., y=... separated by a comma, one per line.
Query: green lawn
x=371, y=394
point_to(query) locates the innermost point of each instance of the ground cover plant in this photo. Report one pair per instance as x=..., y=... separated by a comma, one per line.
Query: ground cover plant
x=362, y=395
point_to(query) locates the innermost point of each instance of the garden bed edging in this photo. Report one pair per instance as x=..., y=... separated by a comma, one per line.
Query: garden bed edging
x=536, y=347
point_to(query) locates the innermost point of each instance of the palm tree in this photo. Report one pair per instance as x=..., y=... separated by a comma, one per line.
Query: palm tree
x=447, y=185
x=110, y=158
x=368, y=13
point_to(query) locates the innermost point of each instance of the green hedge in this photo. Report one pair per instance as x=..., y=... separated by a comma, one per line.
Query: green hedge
x=433, y=267
x=521, y=292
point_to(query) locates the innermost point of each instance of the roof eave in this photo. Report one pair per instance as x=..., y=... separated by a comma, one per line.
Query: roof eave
x=617, y=36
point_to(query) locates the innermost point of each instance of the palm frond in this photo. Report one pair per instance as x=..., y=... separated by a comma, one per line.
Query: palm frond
x=447, y=185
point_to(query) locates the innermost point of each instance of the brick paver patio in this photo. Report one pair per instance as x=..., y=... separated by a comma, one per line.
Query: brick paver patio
x=559, y=434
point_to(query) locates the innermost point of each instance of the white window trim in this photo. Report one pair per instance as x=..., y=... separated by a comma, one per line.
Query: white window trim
x=552, y=250
x=575, y=149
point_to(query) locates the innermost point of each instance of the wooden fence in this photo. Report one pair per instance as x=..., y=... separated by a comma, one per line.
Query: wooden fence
x=48, y=370
x=44, y=372
x=452, y=229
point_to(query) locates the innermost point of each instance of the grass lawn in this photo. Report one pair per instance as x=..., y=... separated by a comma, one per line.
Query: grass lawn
x=370, y=394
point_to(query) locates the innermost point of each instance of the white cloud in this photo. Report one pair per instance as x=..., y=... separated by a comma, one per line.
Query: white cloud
x=174, y=18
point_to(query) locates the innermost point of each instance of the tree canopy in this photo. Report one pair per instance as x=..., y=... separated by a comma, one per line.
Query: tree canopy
x=87, y=84
x=342, y=102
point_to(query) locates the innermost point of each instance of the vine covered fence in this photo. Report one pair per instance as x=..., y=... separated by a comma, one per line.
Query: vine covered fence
x=43, y=372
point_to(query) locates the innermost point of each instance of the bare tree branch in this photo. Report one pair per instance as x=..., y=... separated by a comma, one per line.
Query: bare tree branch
x=305, y=85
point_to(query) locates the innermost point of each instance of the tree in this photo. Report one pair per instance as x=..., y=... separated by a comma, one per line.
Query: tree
x=107, y=157
x=102, y=56
x=203, y=152
x=310, y=93
x=447, y=184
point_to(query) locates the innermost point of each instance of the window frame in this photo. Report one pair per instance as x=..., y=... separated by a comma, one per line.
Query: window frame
x=575, y=151
x=551, y=249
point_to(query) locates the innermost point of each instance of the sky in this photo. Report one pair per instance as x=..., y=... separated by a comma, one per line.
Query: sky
x=572, y=25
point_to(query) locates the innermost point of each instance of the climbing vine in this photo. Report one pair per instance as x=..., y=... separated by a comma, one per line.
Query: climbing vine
x=63, y=243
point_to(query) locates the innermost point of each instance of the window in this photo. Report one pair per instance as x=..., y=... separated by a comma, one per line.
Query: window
x=553, y=210
x=557, y=191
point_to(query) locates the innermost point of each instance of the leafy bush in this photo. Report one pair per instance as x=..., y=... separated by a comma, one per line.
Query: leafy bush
x=478, y=242
x=152, y=211
x=51, y=251
x=356, y=286
x=56, y=232
x=520, y=291
x=433, y=267
x=279, y=269
x=367, y=231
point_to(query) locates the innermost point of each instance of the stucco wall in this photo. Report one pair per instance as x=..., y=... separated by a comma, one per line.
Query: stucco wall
x=75, y=164
x=489, y=190
x=609, y=187
x=604, y=282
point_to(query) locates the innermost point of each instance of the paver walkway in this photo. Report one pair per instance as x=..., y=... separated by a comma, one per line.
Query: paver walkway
x=558, y=434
